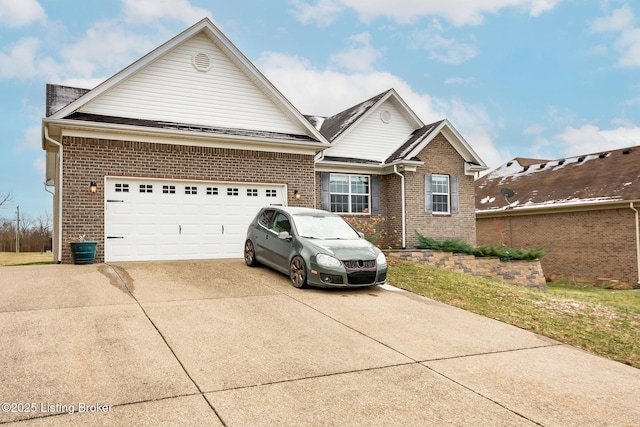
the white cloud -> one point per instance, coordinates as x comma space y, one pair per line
460, 81
322, 12
325, 92
619, 20
15, 14
150, 11
106, 45
19, 61
591, 139
408, 11
30, 139
447, 50
359, 55
627, 44
40, 165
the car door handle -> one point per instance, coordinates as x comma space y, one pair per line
179, 229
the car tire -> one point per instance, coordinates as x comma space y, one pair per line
298, 272
250, 254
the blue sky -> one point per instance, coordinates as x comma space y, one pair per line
518, 78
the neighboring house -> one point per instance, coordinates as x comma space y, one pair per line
583, 209
171, 158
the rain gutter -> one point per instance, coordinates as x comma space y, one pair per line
59, 224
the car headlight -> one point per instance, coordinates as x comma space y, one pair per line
327, 261
381, 260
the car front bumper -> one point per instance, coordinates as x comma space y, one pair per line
345, 278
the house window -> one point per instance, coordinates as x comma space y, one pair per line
252, 192
232, 191
190, 190
212, 191
440, 194
349, 193
272, 193
168, 189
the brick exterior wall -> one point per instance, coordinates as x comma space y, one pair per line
581, 246
87, 159
439, 157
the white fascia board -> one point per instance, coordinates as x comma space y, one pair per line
457, 142
379, 169
178, 137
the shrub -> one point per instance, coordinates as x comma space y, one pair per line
505, 253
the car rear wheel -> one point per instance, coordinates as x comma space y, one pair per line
250, 254
298, 272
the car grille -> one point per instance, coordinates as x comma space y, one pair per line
359, 264
361, 277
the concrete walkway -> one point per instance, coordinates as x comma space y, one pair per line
215, 343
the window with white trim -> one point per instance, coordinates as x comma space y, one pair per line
440, 199
349, 193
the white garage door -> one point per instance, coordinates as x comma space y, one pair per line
149, 219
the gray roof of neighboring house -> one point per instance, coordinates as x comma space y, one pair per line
608, 176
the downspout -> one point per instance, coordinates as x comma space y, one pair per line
59, 225
637, 240
404, 218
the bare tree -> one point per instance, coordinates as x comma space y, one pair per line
5, 199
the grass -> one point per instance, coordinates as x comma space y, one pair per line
25, 258
600, 321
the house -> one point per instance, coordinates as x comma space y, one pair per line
171, 158
583, 209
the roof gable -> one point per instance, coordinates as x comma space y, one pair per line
575, 181
199, 77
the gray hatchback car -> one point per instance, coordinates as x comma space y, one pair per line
314, 247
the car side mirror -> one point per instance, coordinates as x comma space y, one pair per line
284, 235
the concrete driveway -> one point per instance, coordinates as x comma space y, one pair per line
217, 343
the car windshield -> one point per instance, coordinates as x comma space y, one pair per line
324, 227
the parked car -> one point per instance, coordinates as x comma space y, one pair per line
314, 247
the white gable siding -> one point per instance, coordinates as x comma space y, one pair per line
373, 139
171, 89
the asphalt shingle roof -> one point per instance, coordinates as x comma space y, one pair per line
607, 176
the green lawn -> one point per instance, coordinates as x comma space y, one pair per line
25, 258
601, 321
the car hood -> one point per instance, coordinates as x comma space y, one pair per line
345, 249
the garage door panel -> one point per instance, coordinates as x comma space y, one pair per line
181, 220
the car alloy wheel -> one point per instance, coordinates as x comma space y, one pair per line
298, 272
249, 254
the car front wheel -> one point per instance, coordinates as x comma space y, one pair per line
298, 272
249, 254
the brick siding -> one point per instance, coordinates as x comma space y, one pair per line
87, 159
580, 246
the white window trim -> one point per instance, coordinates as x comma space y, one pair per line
349, 176
448, 194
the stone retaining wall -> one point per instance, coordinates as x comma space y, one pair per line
521, 273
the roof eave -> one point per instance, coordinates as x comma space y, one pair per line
124, 132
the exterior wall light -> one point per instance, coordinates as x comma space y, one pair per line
93, 187
296, 194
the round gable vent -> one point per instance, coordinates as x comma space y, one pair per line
201, 62
385, 116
